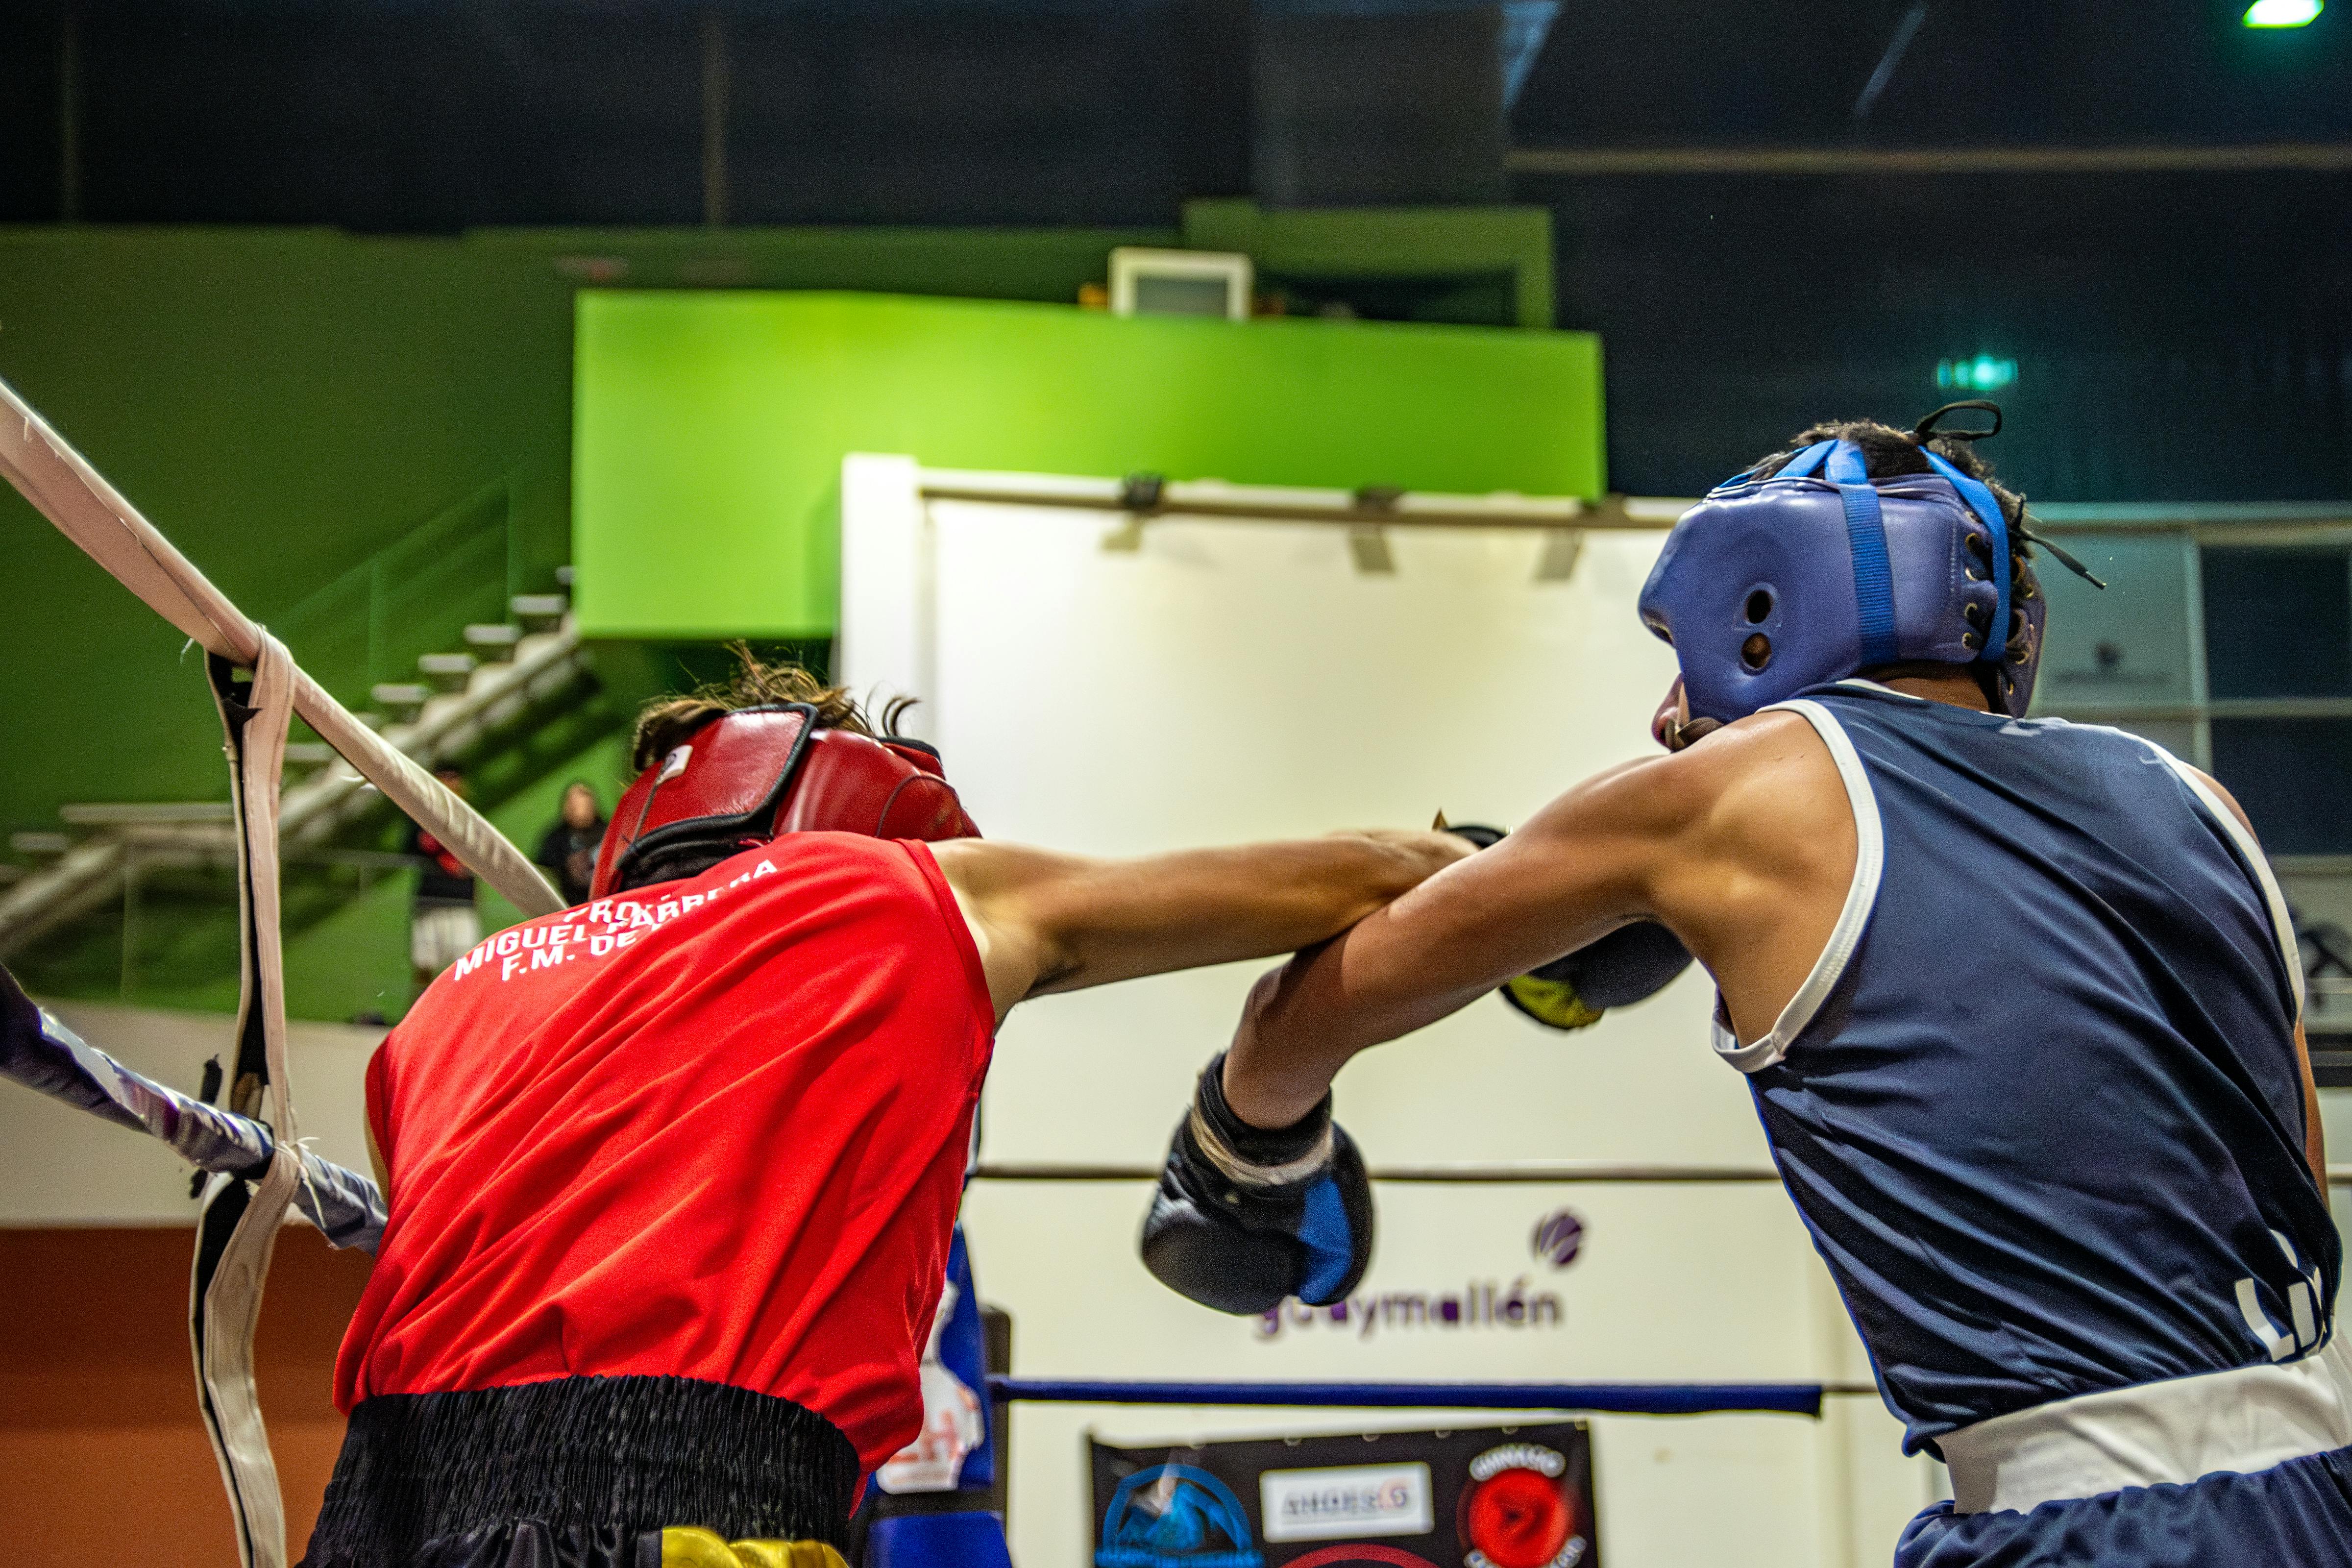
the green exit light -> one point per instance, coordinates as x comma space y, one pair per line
2282, 13
1982, 373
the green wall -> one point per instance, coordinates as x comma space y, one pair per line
285, 403
710, 427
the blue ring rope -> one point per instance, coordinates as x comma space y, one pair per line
1611, 1398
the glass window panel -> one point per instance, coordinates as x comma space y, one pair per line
2278, 622
1162, 296
2126, 647
2294, 776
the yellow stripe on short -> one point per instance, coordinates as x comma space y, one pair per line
694, 1547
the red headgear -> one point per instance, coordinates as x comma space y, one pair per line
748, 776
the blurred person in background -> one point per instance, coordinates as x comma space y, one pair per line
443, 925
567, 851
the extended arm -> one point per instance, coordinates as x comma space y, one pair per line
1046, 921
1741, 846
1733, 844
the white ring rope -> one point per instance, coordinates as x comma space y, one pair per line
66, 489
239, 1226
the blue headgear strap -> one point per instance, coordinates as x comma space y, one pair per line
1866, 533
1982, 501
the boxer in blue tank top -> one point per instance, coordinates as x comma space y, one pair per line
2019, 1001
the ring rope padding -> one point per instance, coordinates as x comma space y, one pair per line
1606, 1398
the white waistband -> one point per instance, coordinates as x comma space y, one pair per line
2244, 1420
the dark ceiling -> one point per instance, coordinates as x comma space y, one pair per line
2176, 334
2086, 72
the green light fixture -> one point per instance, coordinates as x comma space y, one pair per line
2282, 13
1981, 373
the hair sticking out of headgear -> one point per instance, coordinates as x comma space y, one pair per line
665, 721
1861, 546
772, 751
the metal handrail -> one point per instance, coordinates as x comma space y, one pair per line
309, 812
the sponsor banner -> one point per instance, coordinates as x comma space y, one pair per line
1477, 1304
1357, 1499
1505, 1497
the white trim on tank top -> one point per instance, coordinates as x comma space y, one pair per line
2282, 922
1861, 897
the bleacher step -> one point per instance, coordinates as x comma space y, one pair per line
144, 812
492, 642
539, 612
447, 671
399, 697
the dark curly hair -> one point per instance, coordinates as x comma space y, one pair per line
1886, 452
667, 722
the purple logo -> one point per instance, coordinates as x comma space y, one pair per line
1559, 1238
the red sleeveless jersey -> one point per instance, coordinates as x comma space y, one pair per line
712, 1129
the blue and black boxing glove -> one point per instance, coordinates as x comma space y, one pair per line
1246, 1217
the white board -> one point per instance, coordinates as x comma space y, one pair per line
1216, 680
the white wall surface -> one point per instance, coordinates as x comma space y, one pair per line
1228, 681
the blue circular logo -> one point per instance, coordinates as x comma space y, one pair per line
1175, 1515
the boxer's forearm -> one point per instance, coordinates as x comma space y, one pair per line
1117, 919
1430, 953
1303, 1022
1572, 874
1061, 922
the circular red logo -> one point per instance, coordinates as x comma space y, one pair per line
1518, 1518
1357, 1552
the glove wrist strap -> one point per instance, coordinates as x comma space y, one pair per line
1257, 1156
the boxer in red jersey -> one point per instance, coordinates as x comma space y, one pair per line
672, 1173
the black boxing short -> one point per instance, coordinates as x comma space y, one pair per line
588, 1472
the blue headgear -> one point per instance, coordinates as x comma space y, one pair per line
1771, 585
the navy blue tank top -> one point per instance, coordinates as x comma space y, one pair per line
2039, 1101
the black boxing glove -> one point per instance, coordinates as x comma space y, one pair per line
1245, 1216
1630, 963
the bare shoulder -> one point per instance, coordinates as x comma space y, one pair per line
1764, 871
1767, 776
1762, 767
1764, 847
1767, 785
